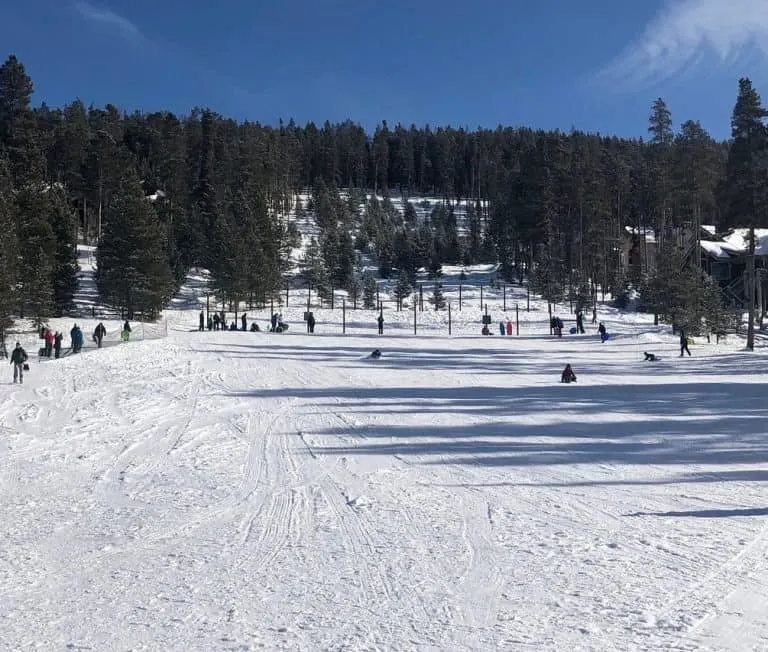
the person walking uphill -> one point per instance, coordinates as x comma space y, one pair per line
99, 333
683, 343
18, 358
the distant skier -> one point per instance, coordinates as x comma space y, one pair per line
683, 343
18, 360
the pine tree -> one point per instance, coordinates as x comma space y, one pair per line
435, 267
133, 272
369, 292
65, 267
17, 125
745, 189
354, 289
437, 299
36, 259
403, 289
9, 248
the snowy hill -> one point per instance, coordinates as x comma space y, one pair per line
237, 491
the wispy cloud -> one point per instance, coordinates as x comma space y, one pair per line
689, 33
110, 19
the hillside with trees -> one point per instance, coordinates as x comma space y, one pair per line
160, 193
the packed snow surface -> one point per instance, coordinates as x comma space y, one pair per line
238, 491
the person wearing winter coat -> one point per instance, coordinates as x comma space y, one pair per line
77, 339
57, 338
216, 321
603, 333
502, 328
202, 321
684, 343
568, 376
48, 342
580, 322
18, 358
99, 333
311, 322
380, 321
509, 327
244, 322
126, 333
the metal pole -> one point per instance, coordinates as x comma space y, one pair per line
504, 291
343, 315
332, 293
421, 297
549, 308
459, 297
286, 296
414, 318
449, 318
528, 298
481, 295
517, 319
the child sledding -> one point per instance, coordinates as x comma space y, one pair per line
650, 357
568, 376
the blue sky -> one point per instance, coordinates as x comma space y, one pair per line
595, 65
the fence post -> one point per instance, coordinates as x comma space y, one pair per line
421, 297
271, 307
549, 308
414, 318
343, 315
517, 319
309, 294
449, 318
459, 297
378, 302
481, 295
504, 294
332, 293
286, 296
528, 298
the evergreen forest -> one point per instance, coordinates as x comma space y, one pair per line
159, 193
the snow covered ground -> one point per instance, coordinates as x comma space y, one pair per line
237, 491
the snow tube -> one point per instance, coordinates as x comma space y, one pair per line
603, 337
572, 330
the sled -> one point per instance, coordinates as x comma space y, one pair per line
281, 328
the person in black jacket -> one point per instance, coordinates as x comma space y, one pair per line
683, 343
18, 358
311, 322
380, 321
99, 333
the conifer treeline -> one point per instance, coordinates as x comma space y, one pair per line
547, 199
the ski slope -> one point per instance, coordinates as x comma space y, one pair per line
239, 491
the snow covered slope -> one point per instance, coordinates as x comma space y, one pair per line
236, 491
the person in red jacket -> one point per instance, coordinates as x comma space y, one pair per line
48, 342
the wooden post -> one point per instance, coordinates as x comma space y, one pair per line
459, 297
449, 318
421, 297
481, 295
504, 294
517, 319
343, 315
549, 308
378, 302
528, 298
414, 318
286, 296
309, 294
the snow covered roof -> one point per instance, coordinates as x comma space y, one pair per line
714, 249
650, 234
737, 240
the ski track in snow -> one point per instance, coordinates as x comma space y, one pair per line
255, 491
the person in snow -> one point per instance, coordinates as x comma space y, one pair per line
683, 343
126, 332
311, 322
650, 357
580, 322
502, 328
216, 321
57, 339
568, 376
273, 322
509, 327
48, 342
76, 337
601, 330
244, 322
202, 321
18, 358
380, 322
99, 333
